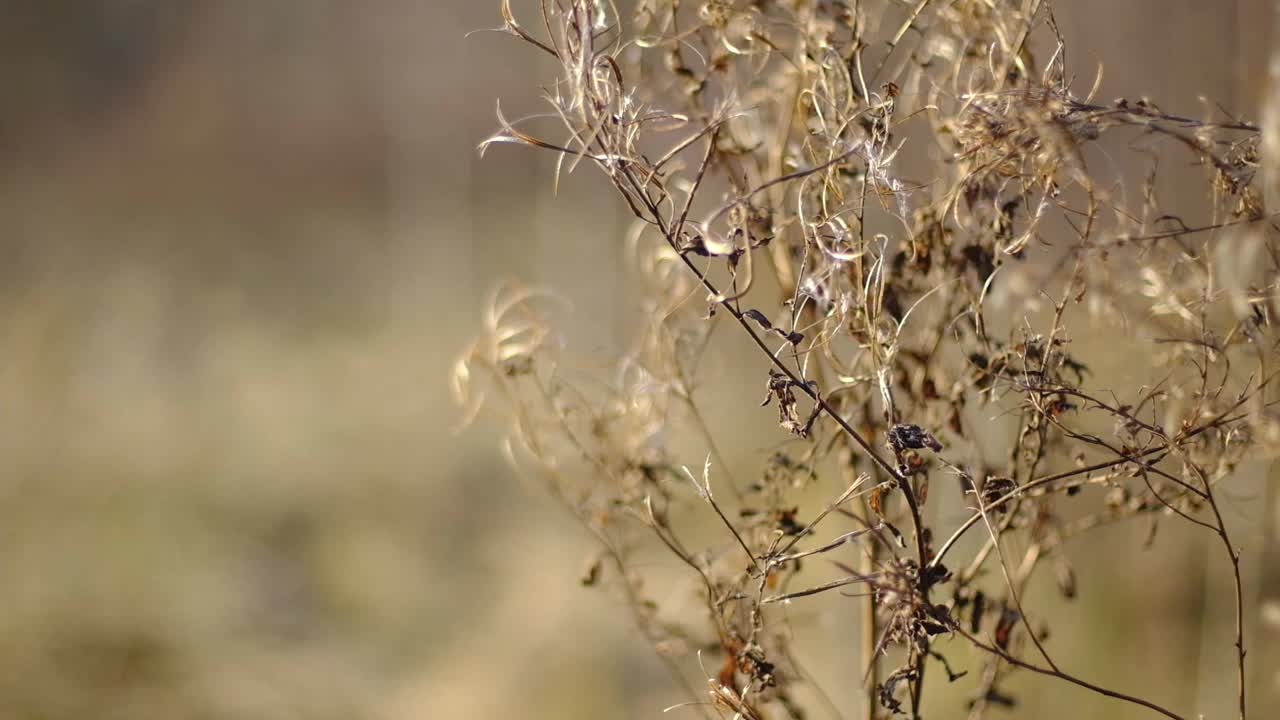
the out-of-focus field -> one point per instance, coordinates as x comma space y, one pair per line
242, 244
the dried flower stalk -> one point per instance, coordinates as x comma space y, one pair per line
774, 156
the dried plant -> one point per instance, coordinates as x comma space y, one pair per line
907, 208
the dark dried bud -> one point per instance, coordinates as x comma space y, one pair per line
979, 607
994, 489
912, 437
934, 574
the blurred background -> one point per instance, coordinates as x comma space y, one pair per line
241, 244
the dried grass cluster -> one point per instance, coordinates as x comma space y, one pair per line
850, 184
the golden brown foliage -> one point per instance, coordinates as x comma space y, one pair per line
852, 186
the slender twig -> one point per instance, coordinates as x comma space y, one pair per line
1007, 657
